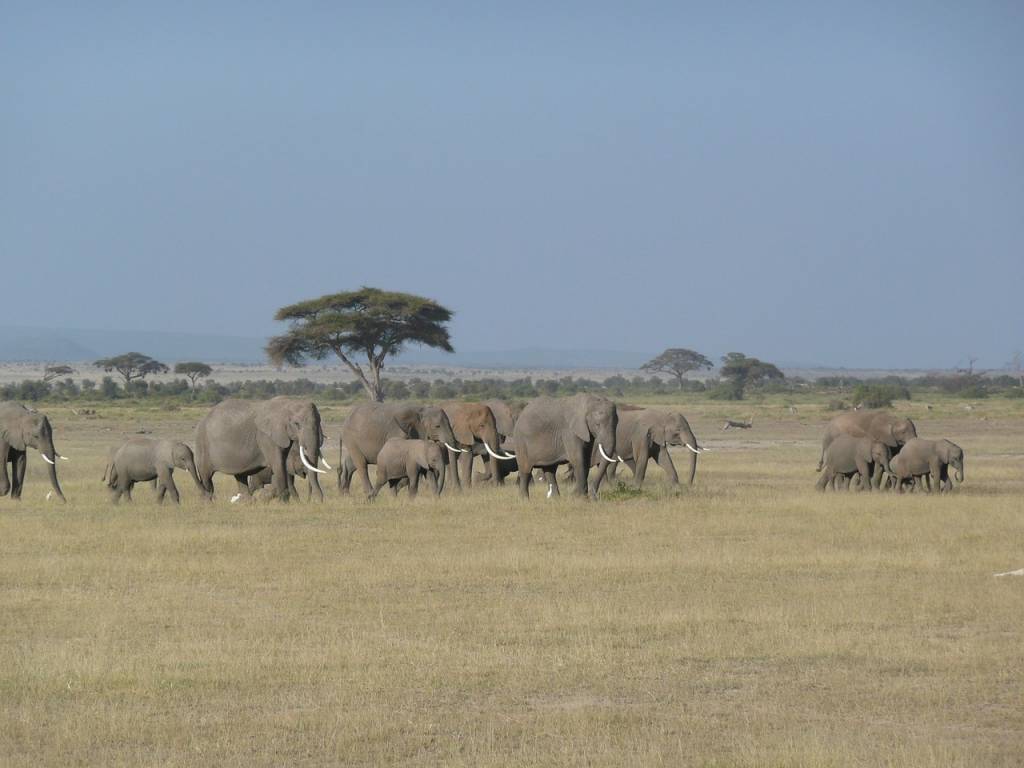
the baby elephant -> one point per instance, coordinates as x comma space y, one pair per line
847, 456
141, 459
926, 462
402, 459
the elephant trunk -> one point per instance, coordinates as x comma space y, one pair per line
490, 437
441, 475
693, 462
960, 471
605, 440
50, 453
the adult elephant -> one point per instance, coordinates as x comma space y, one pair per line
241, 438
475, 428
370, 425
644, 434
882, 426
565, 430
22, 428
294, 464
505, 416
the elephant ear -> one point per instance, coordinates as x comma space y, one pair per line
14, 436
461, 429
274, 426
659, 433
578, 420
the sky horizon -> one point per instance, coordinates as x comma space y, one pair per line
797, 183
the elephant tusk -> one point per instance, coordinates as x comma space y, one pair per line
46, 458
619, 459
496, 455
453, 449
62, 458
306, 464
604, 455
322, 459
692, 448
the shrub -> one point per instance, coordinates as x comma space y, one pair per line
879, 395
837, 405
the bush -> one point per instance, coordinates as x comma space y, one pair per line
879, 395
725, 391
837, 405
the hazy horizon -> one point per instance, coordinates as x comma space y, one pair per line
798, 183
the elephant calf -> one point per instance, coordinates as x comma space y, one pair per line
846, 456
142, 459
926, 462
404, 459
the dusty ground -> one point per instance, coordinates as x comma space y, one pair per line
746, 621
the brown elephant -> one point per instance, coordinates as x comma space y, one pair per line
882, 426
475, 428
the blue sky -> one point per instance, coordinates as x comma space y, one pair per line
795, 181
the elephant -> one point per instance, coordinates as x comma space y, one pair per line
474, 426
242, 438
847, 455
643, 434
565, 430
505, 415
22, 428
402, 459
294, 466
370, 425
141, 459
927, 462
885, 427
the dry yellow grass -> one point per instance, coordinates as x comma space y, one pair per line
749, 621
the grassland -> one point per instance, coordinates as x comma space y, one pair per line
748, 621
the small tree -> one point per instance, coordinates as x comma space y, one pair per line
741, 371
368, 322
131, 366
677, 362
52, 372
1016, 365
193, 372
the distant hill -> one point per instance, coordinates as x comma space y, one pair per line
74, 345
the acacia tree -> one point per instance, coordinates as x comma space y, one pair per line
677, 362
371, 323
741, 371
52, 372
131, 366
193, 372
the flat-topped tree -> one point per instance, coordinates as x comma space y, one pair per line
131, 366
741, 371
368, 323
52, 372
678, 362
193, 372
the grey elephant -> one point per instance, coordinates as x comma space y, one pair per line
475, 428
294, 464
505, 416
370, 425
885, 427
566, 430
142, 459
242, 438
927, 462
402, 459
644, 434
847, 456
22, 428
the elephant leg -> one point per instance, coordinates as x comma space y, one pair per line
5, 458
525, 476
18, 467
412, 471
161, 491
581, 466
465, 464
599, 475
664, 459
823, 480
641, 454
453, 462
381, 482
612, 469
362, 469
244, 491
863, 476
172, 489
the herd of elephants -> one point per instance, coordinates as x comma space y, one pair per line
265, 445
